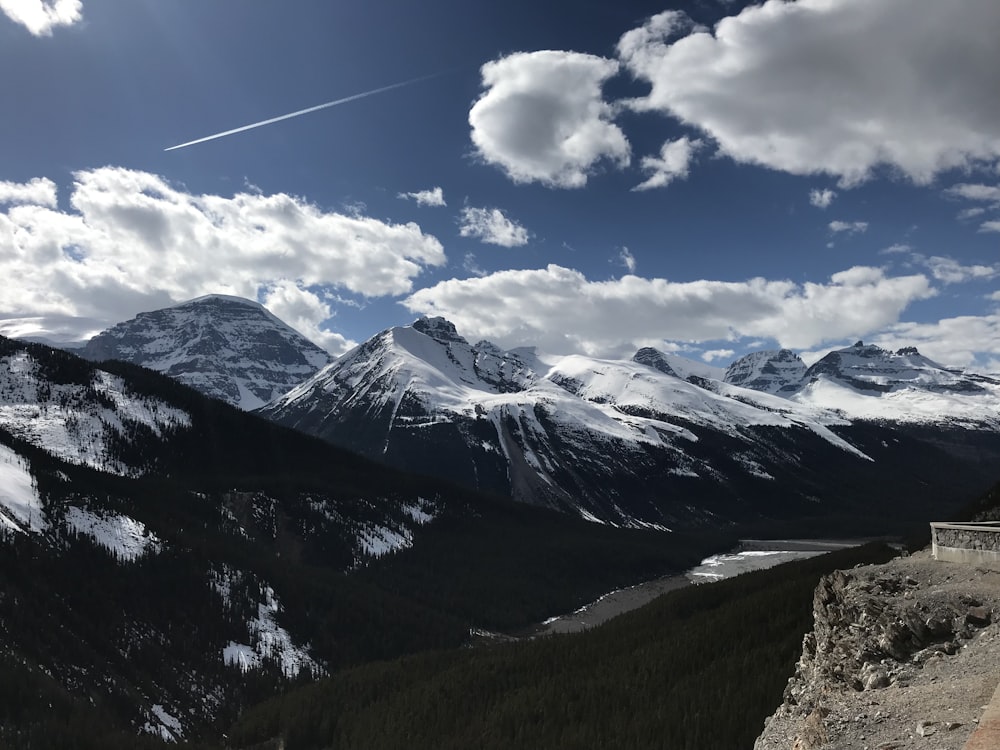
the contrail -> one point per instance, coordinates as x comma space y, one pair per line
300, 112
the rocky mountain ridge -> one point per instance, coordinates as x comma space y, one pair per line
899, 652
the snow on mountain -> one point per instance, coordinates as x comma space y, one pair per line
267, 639
867, 382
20, 505
123, 537
226, 347
77, 421
561, 430
768, 371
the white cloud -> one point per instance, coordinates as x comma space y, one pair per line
838, 87
950, 271
975, 192
542, 117
471, 264
713, 354
898, 249
988, 194
134, 242
562, 311
673, 163
432, 197
40, 191
851, 227
966, 341
303, 310
627, 259
41, 16
971, 213
822, 198
492, 226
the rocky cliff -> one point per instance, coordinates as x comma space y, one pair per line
899, 653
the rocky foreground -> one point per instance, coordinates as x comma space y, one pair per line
902, 655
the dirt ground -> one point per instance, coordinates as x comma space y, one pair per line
933, 703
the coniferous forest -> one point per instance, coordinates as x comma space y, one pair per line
698, 668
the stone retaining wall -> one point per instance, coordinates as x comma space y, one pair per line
966, 542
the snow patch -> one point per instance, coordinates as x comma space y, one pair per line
166, 726
420, 511
67, 421
20, 504
270, 641
124, 537
377, 540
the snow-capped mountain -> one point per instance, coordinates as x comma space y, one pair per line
779, 372
226, 347
652, 440
867, 382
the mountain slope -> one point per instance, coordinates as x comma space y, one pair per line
648, 441
175, 558
226, 347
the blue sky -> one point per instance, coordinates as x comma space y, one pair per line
706, 177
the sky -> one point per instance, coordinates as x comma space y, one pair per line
709, 178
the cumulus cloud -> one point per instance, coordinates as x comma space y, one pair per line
822, 198
562, 311
851, 227
40, 191
41, 16
673, 163
303, 310
542, 117
990, 226
432, 197
133, 242
838, 87
492, 226
965, 341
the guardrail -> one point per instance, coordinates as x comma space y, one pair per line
972, 542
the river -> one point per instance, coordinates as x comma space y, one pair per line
750, 554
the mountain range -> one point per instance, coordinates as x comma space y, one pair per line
656, 440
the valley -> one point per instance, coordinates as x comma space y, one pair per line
209, 564
746, 557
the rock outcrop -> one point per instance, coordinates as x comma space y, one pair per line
898, 652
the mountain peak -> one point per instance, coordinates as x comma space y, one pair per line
219, 300
439, 329
227, 347
654, 358
777, 371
